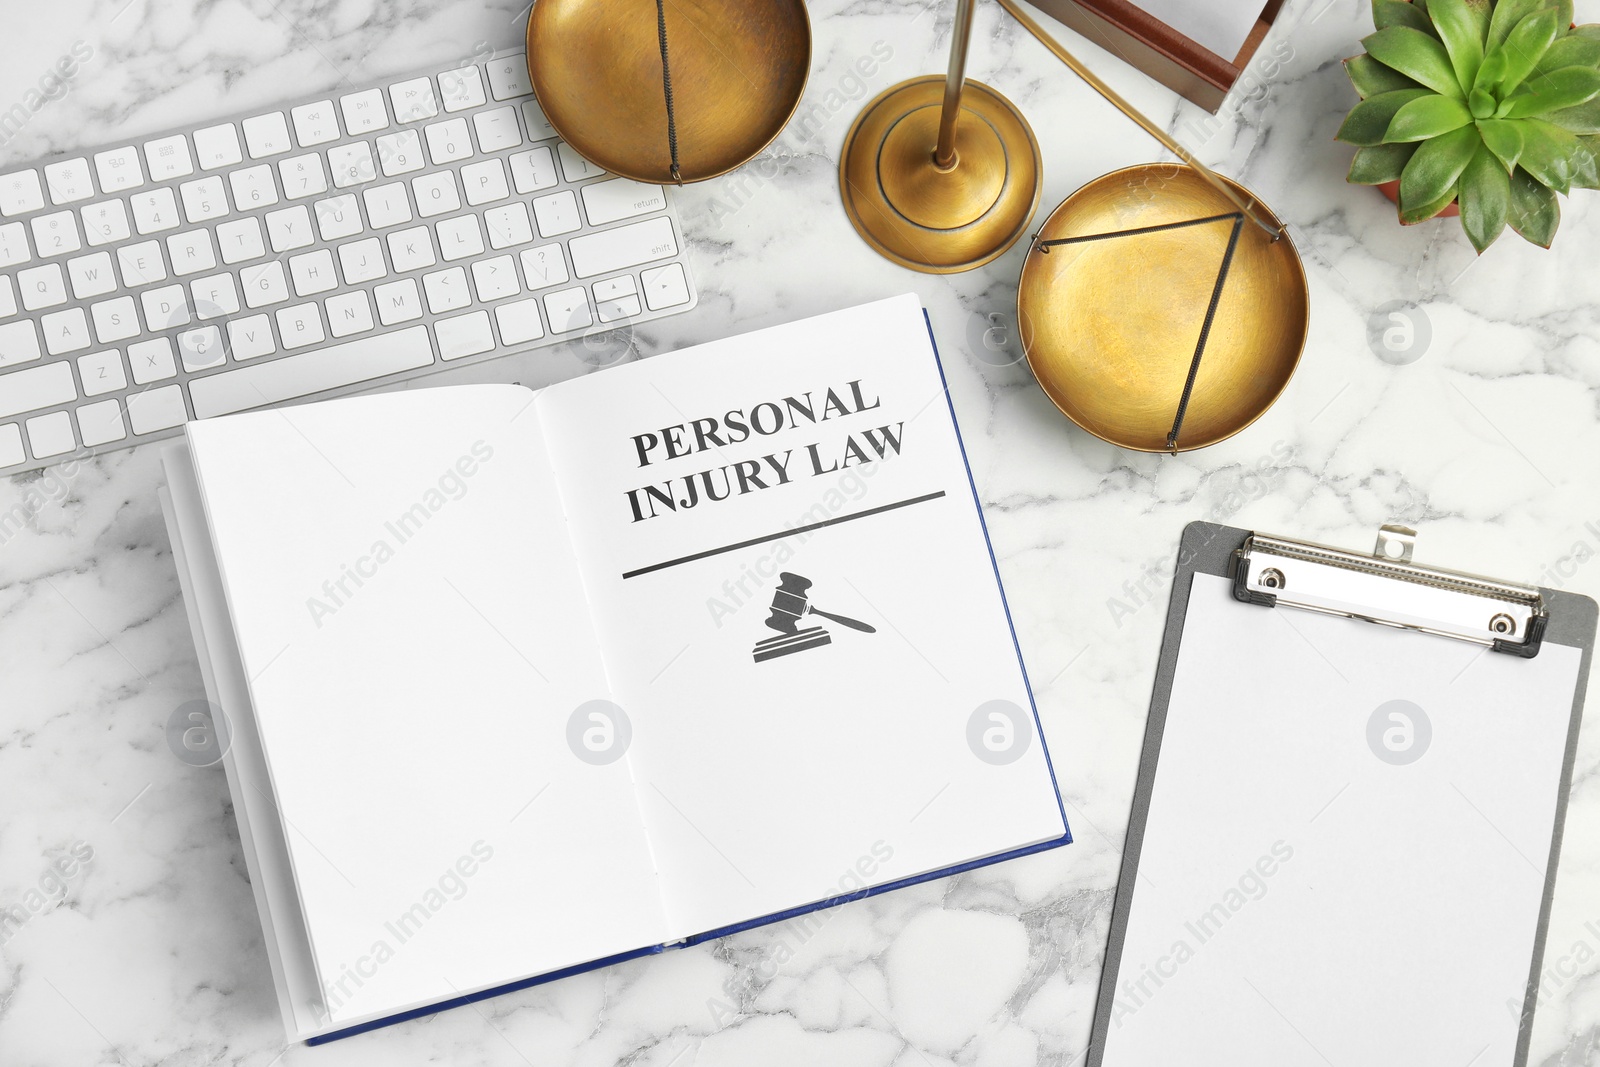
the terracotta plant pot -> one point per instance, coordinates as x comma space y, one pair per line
1392, 191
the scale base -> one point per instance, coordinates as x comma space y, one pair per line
932, 220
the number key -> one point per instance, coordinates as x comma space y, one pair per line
56, 234
253, 187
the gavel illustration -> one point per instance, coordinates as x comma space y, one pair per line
791, 601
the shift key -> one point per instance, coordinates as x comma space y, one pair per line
620, 198
38, 387
625, 246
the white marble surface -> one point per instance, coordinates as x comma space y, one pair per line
1488, 442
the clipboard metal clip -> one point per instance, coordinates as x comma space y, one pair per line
1389, 589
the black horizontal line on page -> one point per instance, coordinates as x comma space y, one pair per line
783, 533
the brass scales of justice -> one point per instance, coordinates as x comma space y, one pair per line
1161, 307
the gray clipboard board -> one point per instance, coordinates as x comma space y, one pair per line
1208, 548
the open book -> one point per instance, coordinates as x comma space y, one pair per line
518, 683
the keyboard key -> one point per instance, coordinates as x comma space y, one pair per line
616, 298
533, 170
203, 199
167, 158
362, 261
101, 424
8, 298
190, 252
556, 213
218, 146
497, 129
56, 234
289, 228
544, 266
115, 320
152, 360
105, 223
201, 348
625, 246
436, 193
300, 325
448, 141
13, 244
65, 331
338, 217
118, 169
240, 240
411, 249
413, 100
314, 124
508, 76
539, 127
568, 309
484, 181
42, 287
312, 273
364, 112
69, 181
166, 307
349, 313
253, 188
397, 302
462, 88
303, 176
267, 135
19, 343
446, 290
11, 451
619, 198
519, 322
574, 166
155, 211
346, 363
214, 297
20, 193
495, 279
50, 435
37, 387
508, 226
101, 372
264, 284
464, 336
400, 152
157, 409
250, 337
91, 275
141, 264
459, 237
352, 164
625, 307
387, 205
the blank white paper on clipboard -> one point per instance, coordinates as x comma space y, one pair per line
1345, 851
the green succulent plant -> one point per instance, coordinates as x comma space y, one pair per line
1494, 104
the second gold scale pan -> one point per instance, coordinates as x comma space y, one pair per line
733, 71
1117, 290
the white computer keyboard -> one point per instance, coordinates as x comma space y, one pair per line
339, 243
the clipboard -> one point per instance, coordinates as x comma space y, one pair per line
1344, 837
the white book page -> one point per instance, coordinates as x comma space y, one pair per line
1345, 853
415, 636
842, 758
